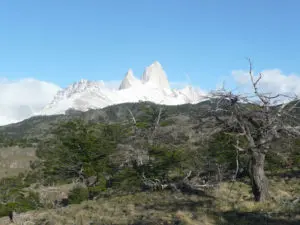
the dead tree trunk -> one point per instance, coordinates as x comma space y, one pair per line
260, 121
259, 181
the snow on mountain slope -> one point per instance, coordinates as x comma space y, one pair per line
153, 86
192, 95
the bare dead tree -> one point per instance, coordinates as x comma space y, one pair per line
259, 121
133, 120
156, 122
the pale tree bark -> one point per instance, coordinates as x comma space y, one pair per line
259, 181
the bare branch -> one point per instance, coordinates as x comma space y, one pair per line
157, 121
259, 120
158, 117
188, 175
254, 82
133, 118
237, 160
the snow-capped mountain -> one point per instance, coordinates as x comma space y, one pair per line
153, 86
156, 75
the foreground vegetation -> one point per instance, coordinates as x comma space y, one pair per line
228, 204
116, 170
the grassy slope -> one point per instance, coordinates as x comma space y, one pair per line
14, 160
230, 204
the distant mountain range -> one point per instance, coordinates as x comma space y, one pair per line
153, 86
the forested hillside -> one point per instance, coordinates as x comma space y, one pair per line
142, 163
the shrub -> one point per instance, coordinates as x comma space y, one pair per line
78, 194
77, 146
166, 123
95, 191
22, 203
28, 201
126, 179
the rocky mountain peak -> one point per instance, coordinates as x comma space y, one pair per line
129, 80
156, 75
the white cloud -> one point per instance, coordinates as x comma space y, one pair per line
273, 81
19, 99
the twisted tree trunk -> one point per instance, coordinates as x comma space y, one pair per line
257, 175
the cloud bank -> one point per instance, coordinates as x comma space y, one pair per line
273, 81
21, 98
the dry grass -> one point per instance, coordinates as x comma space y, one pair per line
156, 208
238, 196
48, 194
14, 160
229, 201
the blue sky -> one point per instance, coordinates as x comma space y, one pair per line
64, 40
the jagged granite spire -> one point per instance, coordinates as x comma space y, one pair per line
129, 80
156, 75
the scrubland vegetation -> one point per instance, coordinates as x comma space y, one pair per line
143, 163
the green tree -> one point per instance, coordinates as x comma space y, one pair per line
78, 149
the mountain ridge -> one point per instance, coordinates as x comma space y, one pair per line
153, 86
156, 75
